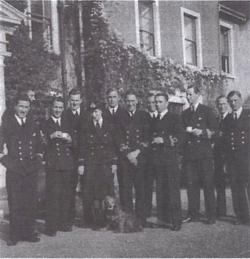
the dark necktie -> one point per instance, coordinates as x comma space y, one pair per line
131, 114
76, 113
159, 116
97, 125
153, 116
57, 123
23, 122
113, 111
235, 116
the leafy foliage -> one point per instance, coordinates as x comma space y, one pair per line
30, 66
111, 63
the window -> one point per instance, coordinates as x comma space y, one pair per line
191, 37
190, 40
146, 23
226, 47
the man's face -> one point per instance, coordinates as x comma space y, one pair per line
57, 109
222, 105
160, 103
96, 114
235, 102
31, 95
192, 97
22, 108
151, 104
113, 99
131, 102
75, 101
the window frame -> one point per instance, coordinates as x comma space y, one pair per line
197, 17
231, 48
156, 27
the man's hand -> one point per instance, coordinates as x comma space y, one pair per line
81, 170
158, 140
173, 141
114, 169
67, 137
56, 134
209, 133
1, 155
40, 155
132, 156
197, 132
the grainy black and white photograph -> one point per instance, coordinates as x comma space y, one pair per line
124, 129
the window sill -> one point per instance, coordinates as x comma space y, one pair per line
228, 75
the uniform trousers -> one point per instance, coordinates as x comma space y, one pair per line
200, 171
150, 177
133, 176
58, 193
22, 201
73, 182
239, 187
168, 197
220, 185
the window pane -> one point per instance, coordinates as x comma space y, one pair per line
146, 26
190, 51
190, 28
224, 42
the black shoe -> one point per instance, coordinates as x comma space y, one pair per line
11, 242
190, 220
210, 221
175, 228
240, 222
50, 233
66, 229
32, 239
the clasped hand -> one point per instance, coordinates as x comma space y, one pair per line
132, 157
158, 140
61, 135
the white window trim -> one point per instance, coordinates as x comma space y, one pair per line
231, 49
198, 36
157, 34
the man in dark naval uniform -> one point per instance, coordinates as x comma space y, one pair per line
59, 166
24, 144
113, 114
97, 164
201, 126
76, 117
149, 174
135, 133
219, 159
237, 136
165, 135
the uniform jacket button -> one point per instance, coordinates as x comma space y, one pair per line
21, 159
19, 142
20, 147
57, 144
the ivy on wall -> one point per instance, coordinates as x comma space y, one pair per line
111, 63
30, 65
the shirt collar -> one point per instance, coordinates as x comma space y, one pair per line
152, 114
163, 113
224, 115
78, 111
111, 109
239, 111
132, 113
56, 119
19, 120
100, 121
195, 106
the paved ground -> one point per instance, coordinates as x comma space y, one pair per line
224, 240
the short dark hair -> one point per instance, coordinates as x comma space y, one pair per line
220, 97
130, 92
232, 93
21, 97
150, 95
165, 95
112, 89
75, 91
57, 99
195, 87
